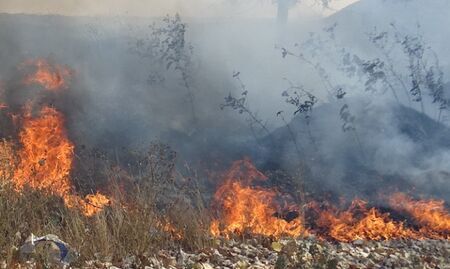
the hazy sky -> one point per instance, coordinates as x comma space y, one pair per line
191, 8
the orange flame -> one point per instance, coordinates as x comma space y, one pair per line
431, 215
46, 160
249, 209
94, 203
245, 208
359, 222
51, 77
46, 156
169, 228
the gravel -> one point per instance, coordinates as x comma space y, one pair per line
304, 253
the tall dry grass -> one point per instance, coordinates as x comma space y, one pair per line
153, 209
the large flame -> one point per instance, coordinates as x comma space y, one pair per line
51, 77
46, 159
246, 208
46, 153
46, 156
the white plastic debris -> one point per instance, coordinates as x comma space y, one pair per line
58, 251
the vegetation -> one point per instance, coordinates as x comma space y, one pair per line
139, 221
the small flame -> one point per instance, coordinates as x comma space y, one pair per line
249, 209
51, 77
359, 222
94, 203
169, 228
431, 215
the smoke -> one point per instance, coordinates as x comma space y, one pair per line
125, 93
159, 8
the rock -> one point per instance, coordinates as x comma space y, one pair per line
242, 265
281, 262
358, 242
277, 246
302, 253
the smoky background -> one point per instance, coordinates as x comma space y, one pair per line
124, 94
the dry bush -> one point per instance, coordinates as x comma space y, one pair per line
153, 209
7, 161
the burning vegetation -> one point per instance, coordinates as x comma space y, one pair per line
37, 170
45, 153
46, 159
51, 77
430, 215
111, 201
246, 208
40, 158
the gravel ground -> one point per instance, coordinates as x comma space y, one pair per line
305, 253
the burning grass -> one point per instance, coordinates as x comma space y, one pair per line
148, 208
430, 214
45, 159
150, 205
133, 224
135, 213
246, 208
52, 77
249, 208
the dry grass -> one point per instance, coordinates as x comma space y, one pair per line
158, 210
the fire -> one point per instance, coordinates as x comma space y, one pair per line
46, 159
51, 77
245, 208
46, 156
169, 228
94, 203
359, 222
430, 215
